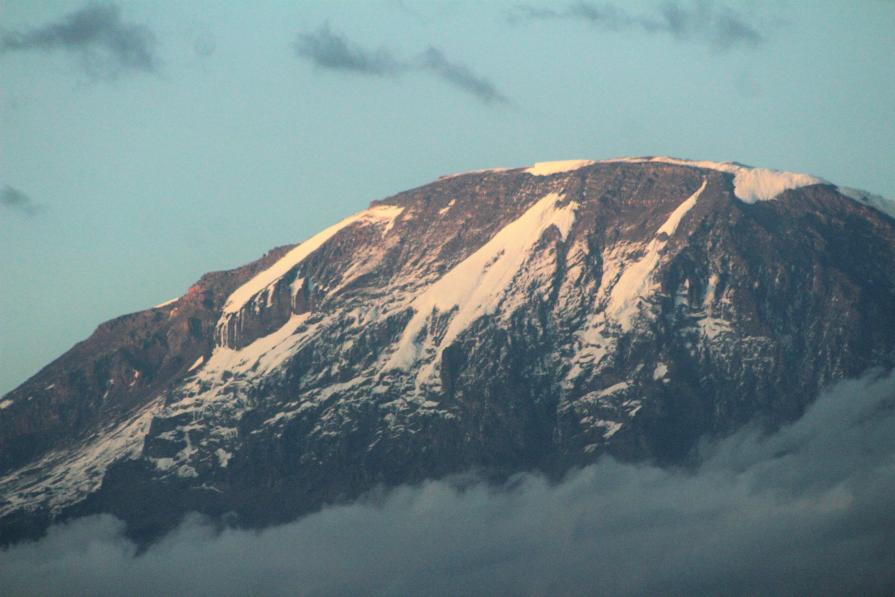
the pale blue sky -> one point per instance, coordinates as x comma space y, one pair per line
141, 178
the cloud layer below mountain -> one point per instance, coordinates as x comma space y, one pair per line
807, 510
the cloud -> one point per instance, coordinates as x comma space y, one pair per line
333, 51
329, 50
14, 199
107, 44
460, 76
719, 26
807, 510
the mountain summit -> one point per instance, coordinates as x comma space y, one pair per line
500, 320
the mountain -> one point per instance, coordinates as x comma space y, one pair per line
501, 320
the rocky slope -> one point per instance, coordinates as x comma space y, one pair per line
501, 320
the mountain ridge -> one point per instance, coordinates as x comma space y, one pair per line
507, 320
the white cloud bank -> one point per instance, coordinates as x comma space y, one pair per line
808, 510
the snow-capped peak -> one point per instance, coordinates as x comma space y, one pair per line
548, 168
749, 184
500, 319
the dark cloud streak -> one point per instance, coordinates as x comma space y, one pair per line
12, 198
460, 76
333, 51
329, 50
717, 25
807, 510
107, 44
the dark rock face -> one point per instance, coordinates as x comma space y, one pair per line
502, 321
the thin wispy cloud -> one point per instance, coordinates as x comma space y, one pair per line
329, 50
13, 199
460, 76
719, 26
106, 44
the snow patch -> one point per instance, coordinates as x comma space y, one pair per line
660, 371
379, 214
5, 404
633, 407
711, 290
671, 224
186, 471
593, 350
605, 392
475, 285
750, 184
166, 303
447, 208
295, 288
548, 168
265, 354
64, 477
162, 464
611, 428
223, 457
636, 280
196, 363
713, 327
